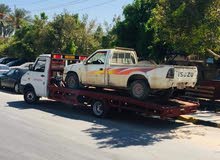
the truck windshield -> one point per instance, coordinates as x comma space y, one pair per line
98, 58
40, 65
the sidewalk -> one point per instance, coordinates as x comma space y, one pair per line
207, 118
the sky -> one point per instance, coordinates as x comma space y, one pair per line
100, 10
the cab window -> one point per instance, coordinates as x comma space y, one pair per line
98, 58
40, 65
123, 58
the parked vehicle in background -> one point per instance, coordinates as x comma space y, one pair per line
6, 60
17, 62
119, 69
24, 66
3, 68
12, 78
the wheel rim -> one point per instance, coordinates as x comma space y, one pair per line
71, 82
98, 108
30, 96
16, 88
138, 90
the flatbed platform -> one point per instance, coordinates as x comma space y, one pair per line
112, 100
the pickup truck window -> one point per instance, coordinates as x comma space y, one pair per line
40, 65
98, 58
123, 58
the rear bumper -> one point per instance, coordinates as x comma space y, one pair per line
166, 83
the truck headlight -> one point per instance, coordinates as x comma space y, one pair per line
170, 73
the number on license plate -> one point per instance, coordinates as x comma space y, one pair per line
185, 74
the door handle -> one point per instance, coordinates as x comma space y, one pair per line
101, 69
42, 75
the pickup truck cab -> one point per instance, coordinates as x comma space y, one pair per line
118, 68
37, 77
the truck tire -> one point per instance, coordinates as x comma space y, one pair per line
139, 89
30, 96
99, 109
72, 81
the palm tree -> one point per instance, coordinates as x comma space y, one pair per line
4, 19
10, 21
18, 16
4, 9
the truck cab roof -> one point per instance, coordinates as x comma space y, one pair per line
45, 55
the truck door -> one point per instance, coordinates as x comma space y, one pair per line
38, 76
118, 71
95, 72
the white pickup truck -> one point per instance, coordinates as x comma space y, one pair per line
119, 69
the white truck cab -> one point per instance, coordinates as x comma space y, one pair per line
37, 77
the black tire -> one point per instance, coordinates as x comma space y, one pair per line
139, 89
16, 88
99, 109
72, 81
30, 96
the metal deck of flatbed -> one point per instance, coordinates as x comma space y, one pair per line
84, 97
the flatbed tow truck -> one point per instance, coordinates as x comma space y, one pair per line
44, 79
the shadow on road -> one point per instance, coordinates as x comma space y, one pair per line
121, 130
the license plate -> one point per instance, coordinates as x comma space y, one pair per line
185, 74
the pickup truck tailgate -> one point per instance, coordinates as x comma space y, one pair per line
185, 74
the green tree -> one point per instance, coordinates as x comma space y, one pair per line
29, 39
4, 9
65, 32
68, 31
19, 16
132, 32
188, 26
5, 21
10, 21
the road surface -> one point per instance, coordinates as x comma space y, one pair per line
54, 131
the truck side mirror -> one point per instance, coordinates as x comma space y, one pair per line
30, 67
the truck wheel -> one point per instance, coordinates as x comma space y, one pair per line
72, 81
99, 109
30, 96
16, 88
139, 89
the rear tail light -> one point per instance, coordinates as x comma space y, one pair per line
57, 56
170, 73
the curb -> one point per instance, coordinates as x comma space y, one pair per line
198, 121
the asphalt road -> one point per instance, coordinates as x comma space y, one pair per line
54, 131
